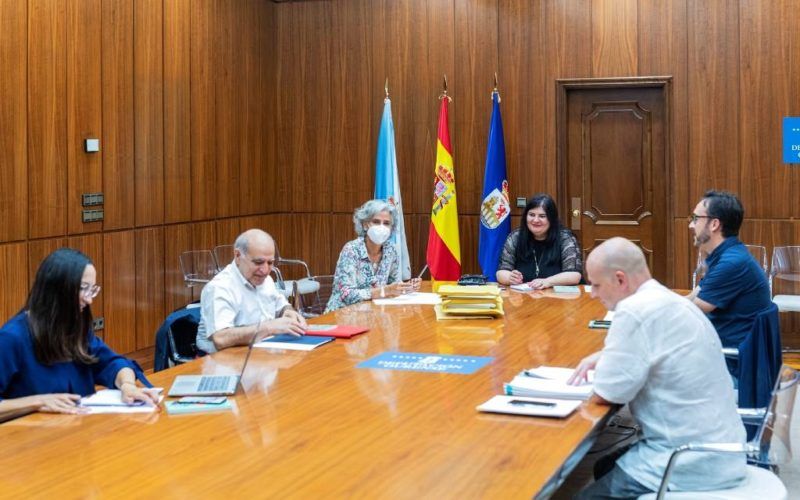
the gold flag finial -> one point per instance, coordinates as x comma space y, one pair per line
386, 87
495, 90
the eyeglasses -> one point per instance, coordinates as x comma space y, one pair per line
90, 291
694, 217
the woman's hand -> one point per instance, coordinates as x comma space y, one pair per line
515, 278
131, 392
58, 403
540, 284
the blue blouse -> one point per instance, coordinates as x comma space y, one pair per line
22, 375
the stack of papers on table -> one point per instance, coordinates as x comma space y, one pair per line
548, 382
292, 343
110, 401
469, 302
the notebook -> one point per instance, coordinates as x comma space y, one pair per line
338, 331
537, 407
293, 343
209, 385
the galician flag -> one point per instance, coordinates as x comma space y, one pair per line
387, 185
495, 207
444, 249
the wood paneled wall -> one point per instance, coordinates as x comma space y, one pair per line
215, 116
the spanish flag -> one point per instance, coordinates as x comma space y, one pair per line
444, 250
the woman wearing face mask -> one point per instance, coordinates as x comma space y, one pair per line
368, 266
49, 355
541, 252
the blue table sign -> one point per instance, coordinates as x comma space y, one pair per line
432, 363
791, 139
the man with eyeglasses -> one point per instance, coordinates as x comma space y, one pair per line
242, 300
734, 289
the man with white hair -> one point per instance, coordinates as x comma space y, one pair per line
242, 300
663, 358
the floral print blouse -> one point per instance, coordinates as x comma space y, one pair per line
355, 274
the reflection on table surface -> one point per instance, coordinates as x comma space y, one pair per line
311, 423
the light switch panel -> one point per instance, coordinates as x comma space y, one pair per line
92, 145
521, 202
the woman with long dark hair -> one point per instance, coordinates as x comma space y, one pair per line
49, 355
541, 252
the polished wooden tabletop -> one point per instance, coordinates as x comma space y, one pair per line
310, 424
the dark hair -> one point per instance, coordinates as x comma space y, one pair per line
525, 243
727, 208
59, 329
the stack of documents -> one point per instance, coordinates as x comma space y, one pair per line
548, 382
540, 392
110, 401
469, 302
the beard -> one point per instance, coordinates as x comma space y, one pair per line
702, 238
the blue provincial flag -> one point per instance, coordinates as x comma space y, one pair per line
387, 185
495, 208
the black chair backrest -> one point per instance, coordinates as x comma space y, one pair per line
182, 340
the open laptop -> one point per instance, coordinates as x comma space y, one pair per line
209, 385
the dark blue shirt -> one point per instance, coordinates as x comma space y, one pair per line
22, 375
737, 286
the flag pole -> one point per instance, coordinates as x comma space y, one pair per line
444, 95
386, 87
495, 90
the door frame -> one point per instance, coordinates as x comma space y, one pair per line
563, 86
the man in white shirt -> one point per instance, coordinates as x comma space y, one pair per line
242, 300
663, 358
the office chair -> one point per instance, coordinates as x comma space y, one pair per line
198, 267
319, 300
758, 252
771, 446
785, 267
182, 337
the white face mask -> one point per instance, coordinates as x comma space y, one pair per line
379, 234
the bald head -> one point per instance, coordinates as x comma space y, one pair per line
616, 269
253, 237
254, 255
619, 254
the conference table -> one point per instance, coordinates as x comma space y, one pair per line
313, 424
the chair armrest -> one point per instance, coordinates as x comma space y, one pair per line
296, 262
700, 447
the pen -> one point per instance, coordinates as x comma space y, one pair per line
520, 402
419, 276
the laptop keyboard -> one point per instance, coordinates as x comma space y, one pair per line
212, 383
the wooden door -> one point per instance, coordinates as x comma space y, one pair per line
613, 160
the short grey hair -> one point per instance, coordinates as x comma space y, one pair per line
365, 213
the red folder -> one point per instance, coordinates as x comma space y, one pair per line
339, 331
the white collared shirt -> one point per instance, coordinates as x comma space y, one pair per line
663, 357
229, 300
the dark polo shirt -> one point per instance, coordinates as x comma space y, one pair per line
737, 286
